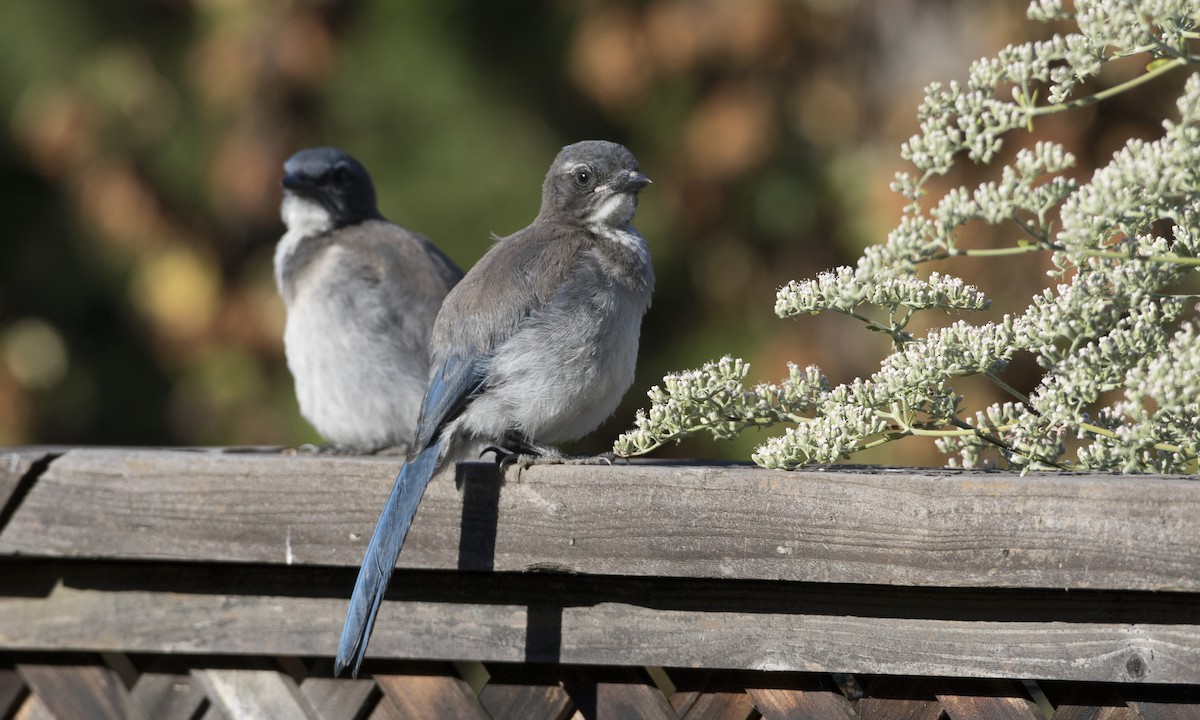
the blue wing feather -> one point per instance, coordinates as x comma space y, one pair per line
455, 383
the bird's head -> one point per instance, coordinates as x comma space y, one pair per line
326, 184
594, 182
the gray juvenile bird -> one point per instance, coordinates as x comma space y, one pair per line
537, 344
361, 296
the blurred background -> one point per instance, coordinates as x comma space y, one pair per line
142, 144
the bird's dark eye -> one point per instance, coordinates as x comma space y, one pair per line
339, 175
583, 177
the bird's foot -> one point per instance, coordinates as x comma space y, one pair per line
506, 457
561, 458
604, 458
530, 453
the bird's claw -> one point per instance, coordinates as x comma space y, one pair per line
496, 450
506, 458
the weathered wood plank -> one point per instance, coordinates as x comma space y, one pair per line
810, 697
668, 623
1157, 711
616, 692
385, 710
80, 692
334, 699
1079, 701
12, 468
429, 696
214, 713
524, 693
12, 689
893, 709
255, 695
167, 696
897, 698
1172, 705
706, 694
34, 709
988, 700
926, 528
16, 466
528, 702
714, 706
192, 505
1094, 712
960, 707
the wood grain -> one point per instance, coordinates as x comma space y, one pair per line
338, 698
427, 696
988, 700
34, 709
714, 706
80, 692
1164, 711
705, 694
255, 695
812, 704
896, 698
621, 692
696, 625
167, 696
18, 469
914, 573
12, 688
194, 505
524, 693
385, 710
914, 528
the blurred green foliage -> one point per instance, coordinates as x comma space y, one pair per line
143, 141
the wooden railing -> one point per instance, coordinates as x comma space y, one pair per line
213, 584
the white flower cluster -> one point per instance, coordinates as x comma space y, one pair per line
1118, 342
1145, 182
838, 291
714, 399
837, 433
1161, 405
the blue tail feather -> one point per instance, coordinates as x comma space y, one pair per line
381, 555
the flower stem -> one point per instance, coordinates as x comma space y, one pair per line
1109, 92
1165, 447
1173, 259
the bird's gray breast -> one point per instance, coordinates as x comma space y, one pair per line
356, 380
567, 367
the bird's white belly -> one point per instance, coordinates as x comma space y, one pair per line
348, 382
558, 379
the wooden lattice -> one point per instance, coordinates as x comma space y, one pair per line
208, 585
118, 687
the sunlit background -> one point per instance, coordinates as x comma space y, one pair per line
142, 143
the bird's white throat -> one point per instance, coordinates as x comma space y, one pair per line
615, 211
303, 216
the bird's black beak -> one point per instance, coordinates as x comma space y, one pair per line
295, 183
634, 182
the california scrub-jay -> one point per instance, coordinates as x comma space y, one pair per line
537, 344
361, 296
